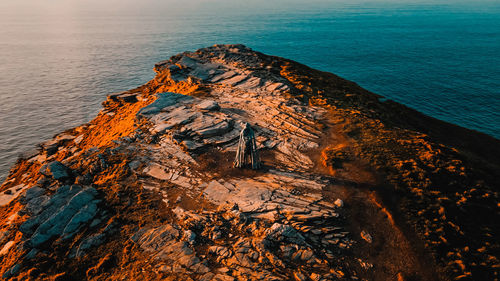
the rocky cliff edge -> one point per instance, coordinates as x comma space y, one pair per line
352, 187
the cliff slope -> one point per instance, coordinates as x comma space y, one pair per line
352, 187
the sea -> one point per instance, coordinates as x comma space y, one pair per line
59, 59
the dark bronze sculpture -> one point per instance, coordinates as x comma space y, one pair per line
247, 154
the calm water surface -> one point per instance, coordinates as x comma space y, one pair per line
441, 59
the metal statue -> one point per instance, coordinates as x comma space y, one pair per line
247, 154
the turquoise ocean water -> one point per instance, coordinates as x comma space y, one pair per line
442, 59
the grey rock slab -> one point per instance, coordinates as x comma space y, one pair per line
217, 192
249, 195
235, 80
207, 120
180, 117
209, 105
250, 83
158, 172
134, 164
49, 206
191, 145
152, 239
231, 136
293, 157
56, 170
88, 243
216, 129
83, 216
33, 192
275, 86
162, 101
280, 232
188, 62
224, 76
67, 206
199, 69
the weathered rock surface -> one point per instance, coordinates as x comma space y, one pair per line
146, 191
56, 170
60, 215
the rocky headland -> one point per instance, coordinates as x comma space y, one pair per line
352, 186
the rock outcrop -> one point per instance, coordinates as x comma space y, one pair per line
350, 188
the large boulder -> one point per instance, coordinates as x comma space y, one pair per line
56, 170
60, 215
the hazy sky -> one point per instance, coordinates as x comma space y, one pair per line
138, 7
143, 6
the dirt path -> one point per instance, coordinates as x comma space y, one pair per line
394, 253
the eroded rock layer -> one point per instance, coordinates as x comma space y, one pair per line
351, 188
